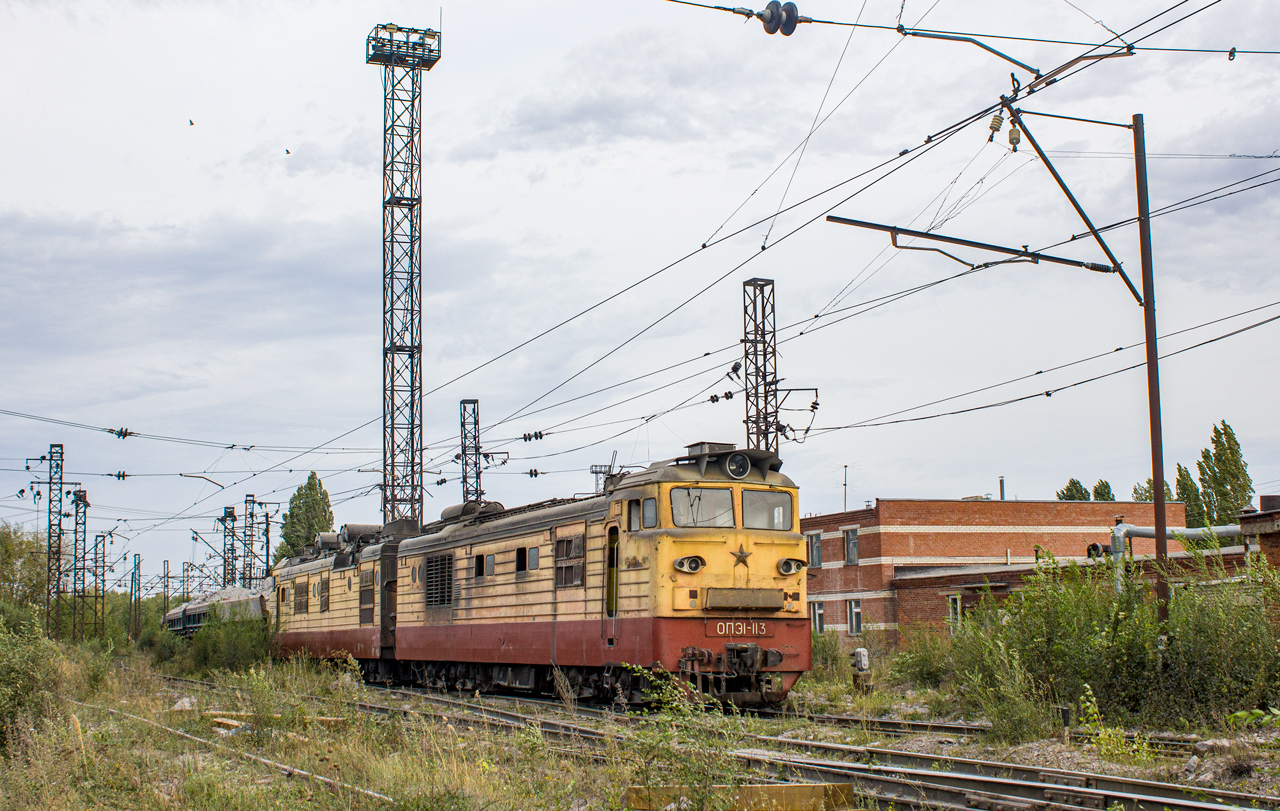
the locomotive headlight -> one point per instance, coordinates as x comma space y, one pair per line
736, 465
790, 566
690, 564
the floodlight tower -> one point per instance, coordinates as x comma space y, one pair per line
403, 54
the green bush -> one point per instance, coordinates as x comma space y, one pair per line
923, 658
14, 617
230, 645
1072, 626
828, 661
29, 679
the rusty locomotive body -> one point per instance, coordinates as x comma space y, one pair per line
694, 566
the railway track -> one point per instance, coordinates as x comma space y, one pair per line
880, 775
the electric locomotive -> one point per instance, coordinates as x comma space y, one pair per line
693, 566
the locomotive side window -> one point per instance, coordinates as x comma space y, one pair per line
478, 566
701, 507
437, 580
488, 565
533, 558
651, 513
300, 594
633, 515
766, 509
522, 559
570, 555
366, 597
324, 594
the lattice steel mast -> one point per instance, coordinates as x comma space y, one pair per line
760, 364
403, 53
80, 565
469, 411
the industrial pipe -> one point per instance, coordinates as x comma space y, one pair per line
1122, 531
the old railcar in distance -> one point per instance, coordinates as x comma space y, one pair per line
693, 566
231, 603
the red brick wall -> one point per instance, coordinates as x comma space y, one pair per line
884, 554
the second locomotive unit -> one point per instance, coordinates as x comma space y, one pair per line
693, 566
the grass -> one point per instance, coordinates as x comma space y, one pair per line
69, 757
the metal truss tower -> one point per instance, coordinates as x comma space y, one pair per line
135, 598
470, 455
760, 364
403, 54
54, 585
98, 596
249, 566
229, 568
80, 567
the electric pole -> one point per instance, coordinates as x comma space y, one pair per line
470, 454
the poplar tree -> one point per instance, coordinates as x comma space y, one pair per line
1102, 491
309, 512
1146, 492
1074, 491
1189, 494
1225, 485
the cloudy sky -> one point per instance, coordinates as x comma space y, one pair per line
166, 267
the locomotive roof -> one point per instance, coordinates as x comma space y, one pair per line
546, 514
701, 465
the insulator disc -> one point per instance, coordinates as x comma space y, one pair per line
772, 17
790, 17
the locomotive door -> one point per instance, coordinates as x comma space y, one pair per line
609, 617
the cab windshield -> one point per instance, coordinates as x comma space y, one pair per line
701, 507
766, 509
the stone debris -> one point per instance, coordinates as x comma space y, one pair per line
184, 704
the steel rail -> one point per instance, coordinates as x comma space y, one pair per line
989, 792
1031, 774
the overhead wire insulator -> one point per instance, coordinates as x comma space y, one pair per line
1015, 137
533, 474
997, 121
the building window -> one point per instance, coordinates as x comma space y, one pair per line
854, 608
851, 547
815, 550
816, 618
955, 610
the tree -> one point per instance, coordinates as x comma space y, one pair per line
1102, 491
1074, 491
1189, 495
308, 513
1225, 485
22, 565
1146, 492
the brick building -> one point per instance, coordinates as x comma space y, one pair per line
860, 561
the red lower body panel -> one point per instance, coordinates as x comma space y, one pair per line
362, 643
641, 641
